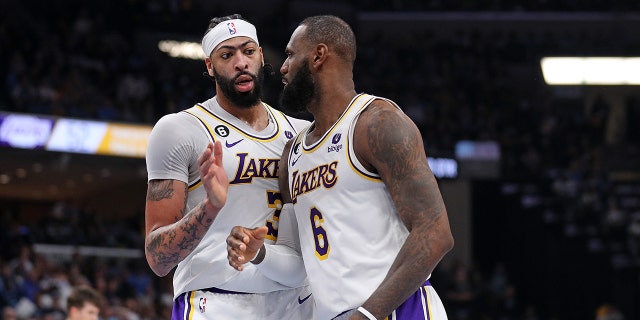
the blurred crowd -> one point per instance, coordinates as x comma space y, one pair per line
34, 284
72, 60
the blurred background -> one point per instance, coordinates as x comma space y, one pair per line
541, 182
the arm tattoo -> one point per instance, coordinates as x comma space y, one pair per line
159, 190
396, 148
184, 206
169, 245
162, 257
201, 218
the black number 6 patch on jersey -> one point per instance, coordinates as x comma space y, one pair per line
221, 130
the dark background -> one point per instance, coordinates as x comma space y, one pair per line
553, 225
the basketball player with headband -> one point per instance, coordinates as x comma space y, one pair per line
214, 166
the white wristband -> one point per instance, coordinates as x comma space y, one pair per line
366, 313
254, 257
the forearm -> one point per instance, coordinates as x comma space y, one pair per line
282, 262
284, 265
415, 262
166, 246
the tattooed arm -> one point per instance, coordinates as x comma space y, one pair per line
172, 234
388, 142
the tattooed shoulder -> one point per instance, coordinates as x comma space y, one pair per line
392, 138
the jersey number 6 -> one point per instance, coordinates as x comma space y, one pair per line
319, 234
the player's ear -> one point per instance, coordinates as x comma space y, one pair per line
261, 55
319, 55
209, 64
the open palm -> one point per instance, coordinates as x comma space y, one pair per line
214, 178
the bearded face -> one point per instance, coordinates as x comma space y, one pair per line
298, 93
240, 99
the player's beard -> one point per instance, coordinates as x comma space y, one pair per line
241, 99
297, 94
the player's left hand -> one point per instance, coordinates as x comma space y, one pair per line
212, 174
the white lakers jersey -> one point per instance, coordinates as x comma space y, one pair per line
251, 161
350, 232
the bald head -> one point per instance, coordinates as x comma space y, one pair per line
334, 32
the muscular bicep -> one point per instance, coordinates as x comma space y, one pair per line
165, 204
387, 141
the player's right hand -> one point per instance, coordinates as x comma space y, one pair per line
243, 244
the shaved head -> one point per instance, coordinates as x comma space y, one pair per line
334, 32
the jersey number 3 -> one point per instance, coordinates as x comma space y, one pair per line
274, 201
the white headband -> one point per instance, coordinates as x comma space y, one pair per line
227, 30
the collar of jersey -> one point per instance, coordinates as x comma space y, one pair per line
311, 148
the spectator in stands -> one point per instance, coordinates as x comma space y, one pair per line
84, 303
9, 313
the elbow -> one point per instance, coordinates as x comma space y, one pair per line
160, 272
158, 269
445, 243
445, 236
449, 243
156, 258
